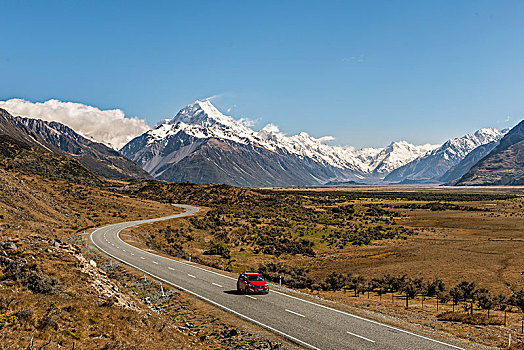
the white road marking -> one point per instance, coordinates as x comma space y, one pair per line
285, 335
294, 313
303, 300
191, 276
171, 268
142, 258
361, 337
216, 284
188, 213
370, 321
249, 296
123, 250
132, 254
154, 262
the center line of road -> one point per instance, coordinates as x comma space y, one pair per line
171, 268
249, 296
361, 337
123, 250
294, 313
154, 262
216, 284
132, 254
191, 276
142, 258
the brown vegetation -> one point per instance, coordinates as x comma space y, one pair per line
449, 237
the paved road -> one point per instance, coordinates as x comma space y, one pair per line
302, 321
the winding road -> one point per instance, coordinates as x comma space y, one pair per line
302, 321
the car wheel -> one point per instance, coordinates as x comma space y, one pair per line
238, 288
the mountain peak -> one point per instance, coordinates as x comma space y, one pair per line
202, 121
202, 113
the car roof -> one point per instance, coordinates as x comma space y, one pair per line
251, 273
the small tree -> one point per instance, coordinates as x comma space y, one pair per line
379, 286
502, 303
357, 283
485, 299
436, 288
335, 281
456, 295
411, 288
468, 290
517, 299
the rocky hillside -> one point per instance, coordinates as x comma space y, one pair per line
503, 166
61, 139
56, 292
437, 162
467, 163
23, 158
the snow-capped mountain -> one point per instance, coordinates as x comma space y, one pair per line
503, 166
440, 160
200, 134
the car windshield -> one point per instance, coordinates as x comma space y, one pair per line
255, 278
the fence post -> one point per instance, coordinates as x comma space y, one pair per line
189, 257
162, 289
280, 281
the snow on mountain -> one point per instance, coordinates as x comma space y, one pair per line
396, 155
441, 159
202, 120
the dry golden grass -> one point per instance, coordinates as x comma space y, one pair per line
455, 245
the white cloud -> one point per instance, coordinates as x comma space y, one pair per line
111, 127
326, 139
508, 118
214, 97
249, 122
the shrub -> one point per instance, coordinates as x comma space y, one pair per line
469, 319
217, 247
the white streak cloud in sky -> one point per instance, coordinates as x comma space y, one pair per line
111, 127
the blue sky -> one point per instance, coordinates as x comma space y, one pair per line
366, 72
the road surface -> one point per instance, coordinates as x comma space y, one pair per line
311, 325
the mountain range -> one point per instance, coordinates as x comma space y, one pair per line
503, 166
60, 139
200, 144
203, 145
436, 163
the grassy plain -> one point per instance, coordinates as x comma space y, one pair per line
474, 235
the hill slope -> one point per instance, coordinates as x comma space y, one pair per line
24, 158
61, 139
504, 165
467, 163
440, 160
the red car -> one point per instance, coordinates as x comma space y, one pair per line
252, 282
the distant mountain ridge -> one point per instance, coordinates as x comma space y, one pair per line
203, 145
467, 163
63, 140
430, 167
503, 166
